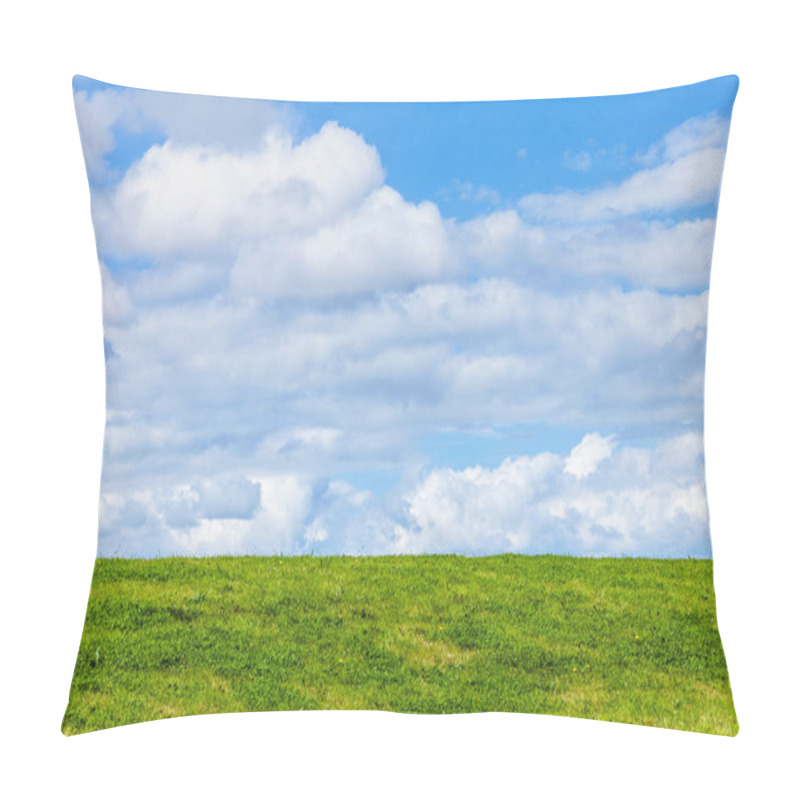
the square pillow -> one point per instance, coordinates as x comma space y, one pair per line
404, 407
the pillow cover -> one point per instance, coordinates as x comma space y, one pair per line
404, 407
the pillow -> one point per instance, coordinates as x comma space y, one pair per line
404, 407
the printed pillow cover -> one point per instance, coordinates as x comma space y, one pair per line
404, 407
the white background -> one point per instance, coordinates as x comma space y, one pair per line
51, 421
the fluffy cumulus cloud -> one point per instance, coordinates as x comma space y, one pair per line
284, 331
382, 243
205, 201
595, 501
585, 457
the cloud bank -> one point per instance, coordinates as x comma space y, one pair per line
597, 500
286, 333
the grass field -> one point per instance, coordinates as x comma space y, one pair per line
628, 640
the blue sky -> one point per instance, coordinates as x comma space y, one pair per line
375, 328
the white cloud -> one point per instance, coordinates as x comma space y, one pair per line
697, 133
682, 171
680, 454
585, 457
623, 505
384, 242
476, 509
223, 497
263, 515
193, 200
499, 240
306, 219
343, 388
117, 305
648, 254
688, 182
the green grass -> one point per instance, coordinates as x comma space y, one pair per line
628, 640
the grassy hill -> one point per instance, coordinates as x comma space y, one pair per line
628, 640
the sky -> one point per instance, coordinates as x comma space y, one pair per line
374, 328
